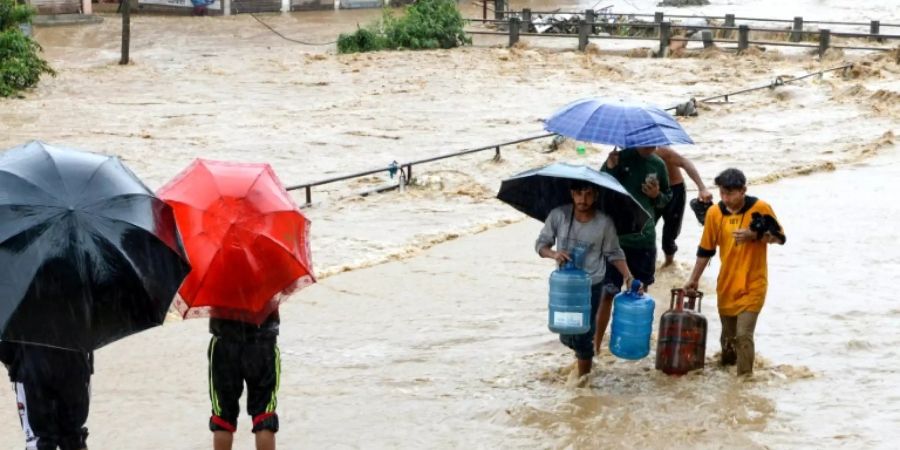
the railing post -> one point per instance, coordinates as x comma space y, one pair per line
707, 39
309, 195
875, 30
484, 9
743, 37
824, 41
499, 6
729, 22
796, 35
526, 19
665, 29
583, 31
589, 18
513, 31
658, 18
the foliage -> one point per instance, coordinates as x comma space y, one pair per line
20, 65
428, 24
367, 39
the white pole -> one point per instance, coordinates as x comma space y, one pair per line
226, 7
285, 5
86, 7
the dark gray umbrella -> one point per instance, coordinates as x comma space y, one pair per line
536, 192
88, 254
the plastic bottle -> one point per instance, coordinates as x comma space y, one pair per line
569, 309
632, 323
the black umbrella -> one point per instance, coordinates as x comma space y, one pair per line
88, 254
536, 192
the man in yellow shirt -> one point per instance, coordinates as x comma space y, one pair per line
741, 227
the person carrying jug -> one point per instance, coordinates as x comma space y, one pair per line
741, 227
644, 175
581, 224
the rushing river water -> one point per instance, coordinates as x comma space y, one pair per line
427, 327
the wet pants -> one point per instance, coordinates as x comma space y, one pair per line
672, 217
737, 341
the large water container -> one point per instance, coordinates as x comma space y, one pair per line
632, 323
682, 335
570, 298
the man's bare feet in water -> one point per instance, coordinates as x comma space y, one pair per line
670, 259
578, 381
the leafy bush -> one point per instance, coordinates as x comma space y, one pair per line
20, 65
428, 24
364, 40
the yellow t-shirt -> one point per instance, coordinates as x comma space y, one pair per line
743, 278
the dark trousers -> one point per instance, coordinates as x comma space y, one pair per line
672, 216
53, 394
642, 264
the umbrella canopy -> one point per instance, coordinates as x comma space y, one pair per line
536, 192
246, 239
617, 122
88, 254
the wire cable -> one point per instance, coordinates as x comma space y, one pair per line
297, 41
779, 81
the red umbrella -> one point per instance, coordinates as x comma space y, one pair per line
247, 241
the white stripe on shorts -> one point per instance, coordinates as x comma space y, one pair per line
31, 441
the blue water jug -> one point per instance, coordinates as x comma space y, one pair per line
632, 323
570, 297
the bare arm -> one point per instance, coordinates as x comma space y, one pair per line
560, 257
692, 172
622, 267
699, 267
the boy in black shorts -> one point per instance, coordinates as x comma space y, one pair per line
242, 352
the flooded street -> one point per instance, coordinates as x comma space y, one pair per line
428, 326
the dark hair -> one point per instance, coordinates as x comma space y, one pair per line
580, 185
731, 179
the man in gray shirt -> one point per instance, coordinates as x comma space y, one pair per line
581, 224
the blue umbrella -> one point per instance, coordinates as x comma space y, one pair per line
536, 192
617, 122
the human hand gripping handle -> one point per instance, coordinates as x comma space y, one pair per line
691, 286
560, 257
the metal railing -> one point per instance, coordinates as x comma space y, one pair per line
405, 169
500, 10
665, 30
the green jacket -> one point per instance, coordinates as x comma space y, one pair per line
632, 172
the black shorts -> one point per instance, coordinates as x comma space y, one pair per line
53, 395
231, 364
642, 264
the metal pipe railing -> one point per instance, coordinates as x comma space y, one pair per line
406, 168
722, 17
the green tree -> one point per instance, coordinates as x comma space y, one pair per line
20, 65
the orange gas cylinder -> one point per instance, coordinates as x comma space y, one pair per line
681, 345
